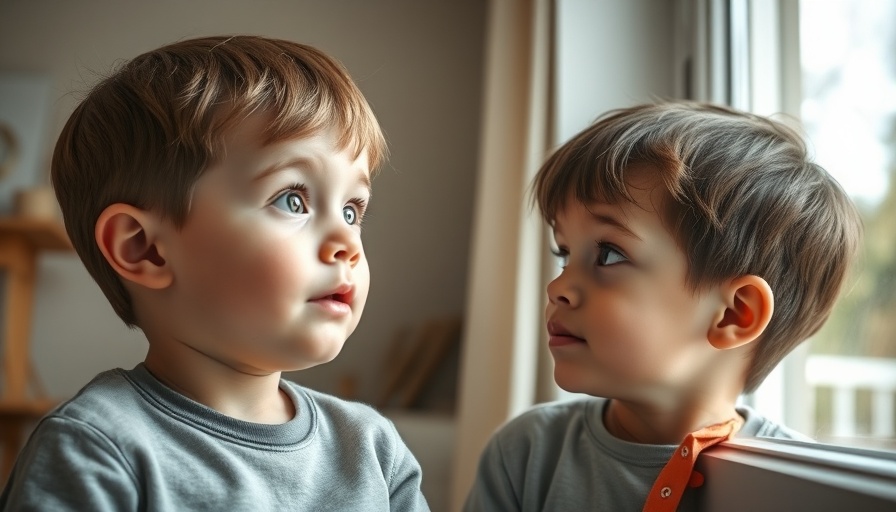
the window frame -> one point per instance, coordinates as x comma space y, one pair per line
775, 474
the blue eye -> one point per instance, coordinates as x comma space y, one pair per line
608, 255
291, 202
350, 215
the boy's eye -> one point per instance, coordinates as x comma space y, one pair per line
290, 201
562, 256
350, 214
608, 255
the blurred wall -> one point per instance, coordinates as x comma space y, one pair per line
418, 63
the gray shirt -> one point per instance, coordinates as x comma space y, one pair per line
560, 457
128, 442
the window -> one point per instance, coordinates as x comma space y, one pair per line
831, 63
841, 387
848, 63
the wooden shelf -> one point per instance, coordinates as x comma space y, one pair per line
26, 410
40, 234
21, 241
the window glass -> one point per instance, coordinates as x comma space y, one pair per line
848, 109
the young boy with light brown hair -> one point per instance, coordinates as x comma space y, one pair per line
699, 245
215, 190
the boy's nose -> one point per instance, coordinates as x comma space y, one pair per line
341, 244
562, 293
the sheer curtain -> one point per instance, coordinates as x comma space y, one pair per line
503, 321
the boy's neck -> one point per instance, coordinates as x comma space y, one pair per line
235, 393
646, 424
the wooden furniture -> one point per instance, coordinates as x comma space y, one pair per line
22, 398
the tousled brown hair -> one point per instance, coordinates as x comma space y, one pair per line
145, 134
743, 198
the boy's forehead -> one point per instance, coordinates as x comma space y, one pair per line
642, 190
256, 129
646, 202
595, 212
244, 153
253, 132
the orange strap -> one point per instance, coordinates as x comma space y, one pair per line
679, 471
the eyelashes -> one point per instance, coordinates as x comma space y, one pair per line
606, 254
294, 199
561, 255
353, 212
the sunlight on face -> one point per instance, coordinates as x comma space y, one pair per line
622, 320
270, 267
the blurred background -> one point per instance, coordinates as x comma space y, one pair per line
472, 94
418, 63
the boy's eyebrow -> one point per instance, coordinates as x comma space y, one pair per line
613, 221
364, 179
279, 166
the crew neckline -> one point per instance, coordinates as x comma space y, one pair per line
293, 434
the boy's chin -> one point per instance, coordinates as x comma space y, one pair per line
573, 382
566, 385
305, 363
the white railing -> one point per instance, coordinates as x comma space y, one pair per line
846, 375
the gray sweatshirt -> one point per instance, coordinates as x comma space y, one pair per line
128, 442
560, 457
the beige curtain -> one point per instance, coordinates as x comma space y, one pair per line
503, 320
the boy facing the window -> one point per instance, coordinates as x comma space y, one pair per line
699, 246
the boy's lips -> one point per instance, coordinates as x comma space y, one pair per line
560, 335
337, 301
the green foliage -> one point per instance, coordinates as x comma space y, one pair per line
864, 321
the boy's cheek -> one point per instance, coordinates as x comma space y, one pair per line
246, 276
361, 276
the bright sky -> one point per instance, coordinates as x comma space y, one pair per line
849, 67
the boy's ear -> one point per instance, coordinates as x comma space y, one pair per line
746, 312
129, 239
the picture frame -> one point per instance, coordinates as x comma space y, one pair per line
25, 106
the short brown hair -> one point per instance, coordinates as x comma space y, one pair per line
743, 198
145, 134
